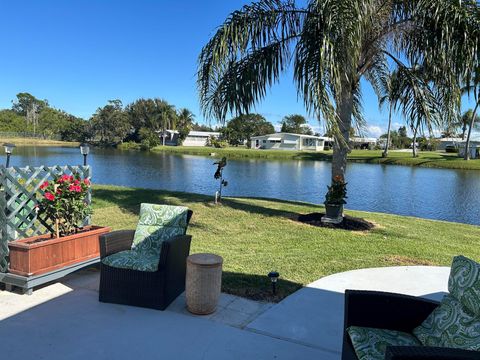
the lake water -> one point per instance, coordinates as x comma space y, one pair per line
443, 194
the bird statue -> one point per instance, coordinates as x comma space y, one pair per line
221, 164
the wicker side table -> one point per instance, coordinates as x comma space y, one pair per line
204, 282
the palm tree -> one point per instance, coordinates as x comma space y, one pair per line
332, 45
411, 93
165, 117
472, 86
185, 119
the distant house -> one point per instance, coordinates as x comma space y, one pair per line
474, 148
199, 138
288, 141
443, 143
194, 138
363, 142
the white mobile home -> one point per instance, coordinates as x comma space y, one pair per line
287, 141
363, 143
474, 148
443, 143
199, 138
194, 138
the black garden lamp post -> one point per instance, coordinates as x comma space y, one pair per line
84, 150
274, 275
8, 150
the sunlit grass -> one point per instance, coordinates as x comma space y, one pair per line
256, 236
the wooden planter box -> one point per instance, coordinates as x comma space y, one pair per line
41, 254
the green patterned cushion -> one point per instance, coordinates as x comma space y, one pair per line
133, 260
156, 224
371, 343
450, 326
464, 283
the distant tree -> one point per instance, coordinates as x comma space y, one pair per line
184, 123
110, 124
26, 102
148, 138
58, 123
76, 129
10, 121
296, 124
402, 131
52, 122
398, 138
241, 128
202, 127
154, 114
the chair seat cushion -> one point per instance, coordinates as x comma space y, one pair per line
371, 343
450, 325
133, 260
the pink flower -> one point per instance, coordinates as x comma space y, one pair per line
65, 178
86, 182
75, 188
49, 196
44, 185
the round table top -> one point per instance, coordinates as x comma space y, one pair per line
205, 259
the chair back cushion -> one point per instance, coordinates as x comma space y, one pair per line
156, 224
464, 283
450, 325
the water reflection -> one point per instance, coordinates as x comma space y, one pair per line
442, 194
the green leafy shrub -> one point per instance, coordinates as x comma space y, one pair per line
216, 143
337, 192
149, 139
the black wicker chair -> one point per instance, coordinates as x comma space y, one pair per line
394, 312
154, 290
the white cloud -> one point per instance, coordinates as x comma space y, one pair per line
374, 131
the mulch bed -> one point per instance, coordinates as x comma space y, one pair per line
348, 223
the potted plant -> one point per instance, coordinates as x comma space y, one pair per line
63, 202
335, 198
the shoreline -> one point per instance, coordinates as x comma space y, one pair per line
429, 159
22, 141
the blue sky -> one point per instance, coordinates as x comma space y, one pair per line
80, 54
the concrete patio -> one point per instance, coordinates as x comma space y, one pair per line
65, 320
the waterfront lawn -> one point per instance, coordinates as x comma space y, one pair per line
425, 158
256, 236
25, 141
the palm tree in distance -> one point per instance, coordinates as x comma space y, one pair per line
411, 93
333, 45
472, 86
165, 117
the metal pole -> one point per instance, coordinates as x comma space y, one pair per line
8, 160
84, 159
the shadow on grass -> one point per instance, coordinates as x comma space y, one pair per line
129, 200
257, 287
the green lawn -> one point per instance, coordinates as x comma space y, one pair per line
256, 236
425, 159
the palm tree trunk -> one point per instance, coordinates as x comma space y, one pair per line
385, 151
466, 156
341, 145
414, 146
